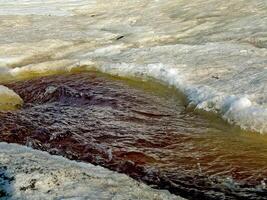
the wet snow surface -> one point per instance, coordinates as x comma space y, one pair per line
32, 174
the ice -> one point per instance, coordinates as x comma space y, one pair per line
39, 7
9, 99
212, 51
32, 174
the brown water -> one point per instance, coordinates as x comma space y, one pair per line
139, 128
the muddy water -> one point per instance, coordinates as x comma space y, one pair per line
141, 129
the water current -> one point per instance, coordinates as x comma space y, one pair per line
141, 128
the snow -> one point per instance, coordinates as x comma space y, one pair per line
212, 51
30, 174
9, 99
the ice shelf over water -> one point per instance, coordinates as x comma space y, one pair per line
31, 174
212, 51
9, 99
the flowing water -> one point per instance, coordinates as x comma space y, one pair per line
213, 51
202, 134
143, 129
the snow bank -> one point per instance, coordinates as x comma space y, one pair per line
32, 174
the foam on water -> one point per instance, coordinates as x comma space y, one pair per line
214, 52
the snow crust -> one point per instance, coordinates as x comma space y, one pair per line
30, 174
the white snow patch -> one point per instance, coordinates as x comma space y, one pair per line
31, 174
